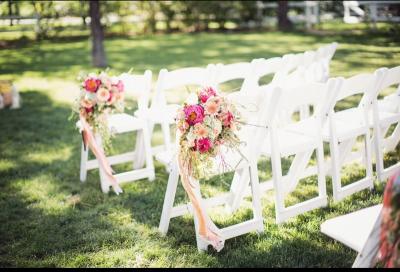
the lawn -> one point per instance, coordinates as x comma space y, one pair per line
49, 218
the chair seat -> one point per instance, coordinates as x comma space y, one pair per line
354, 228
290, 143
159, 114
352, 121
122, 122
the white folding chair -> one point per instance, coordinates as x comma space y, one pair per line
260, 68
124, 123
251, 136
224, 73
386, 113
161, 112
325, 54
358, 230
345, 126
299, 139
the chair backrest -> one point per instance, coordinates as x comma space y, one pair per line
392, 77
227, 72
260, 68
168, 80
322, 96
327, 51
254, 130
365, 84
290, 65
138, 86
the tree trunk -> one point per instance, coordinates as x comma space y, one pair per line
10, 12
98, 54
283, 21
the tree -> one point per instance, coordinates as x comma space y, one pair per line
98, 54
283, 21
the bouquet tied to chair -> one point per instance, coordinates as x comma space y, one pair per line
206, 123
100, 95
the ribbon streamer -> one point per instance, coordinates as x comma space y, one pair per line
89, 140
208, 232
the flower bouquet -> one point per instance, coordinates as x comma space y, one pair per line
100, 96
206, 122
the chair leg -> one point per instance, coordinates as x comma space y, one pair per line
169, 200
279, 194
84, 159
336, 180
256, 196
167, 135
147, 151
238, 187
104, 184
378, 145
139, 158
368, 158
321, 171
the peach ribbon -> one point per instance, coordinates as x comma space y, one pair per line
89, 140
207, 230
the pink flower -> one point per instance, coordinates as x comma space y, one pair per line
183, 126
112, 99
86, 103
200, 130
227, 119
211, 91
206, 93
194, 114
103, 95
203, 145
92, 84
212, 105
120, 86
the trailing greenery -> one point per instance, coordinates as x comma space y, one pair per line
49, 218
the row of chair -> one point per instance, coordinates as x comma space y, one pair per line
300, 85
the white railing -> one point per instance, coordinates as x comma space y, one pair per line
372, 6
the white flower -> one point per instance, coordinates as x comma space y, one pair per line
114, 80
79, 126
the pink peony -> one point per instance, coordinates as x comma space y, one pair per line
206, 93
203, 145
194, 114
211, 91
92, 84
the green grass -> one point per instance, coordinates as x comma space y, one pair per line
49, 218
